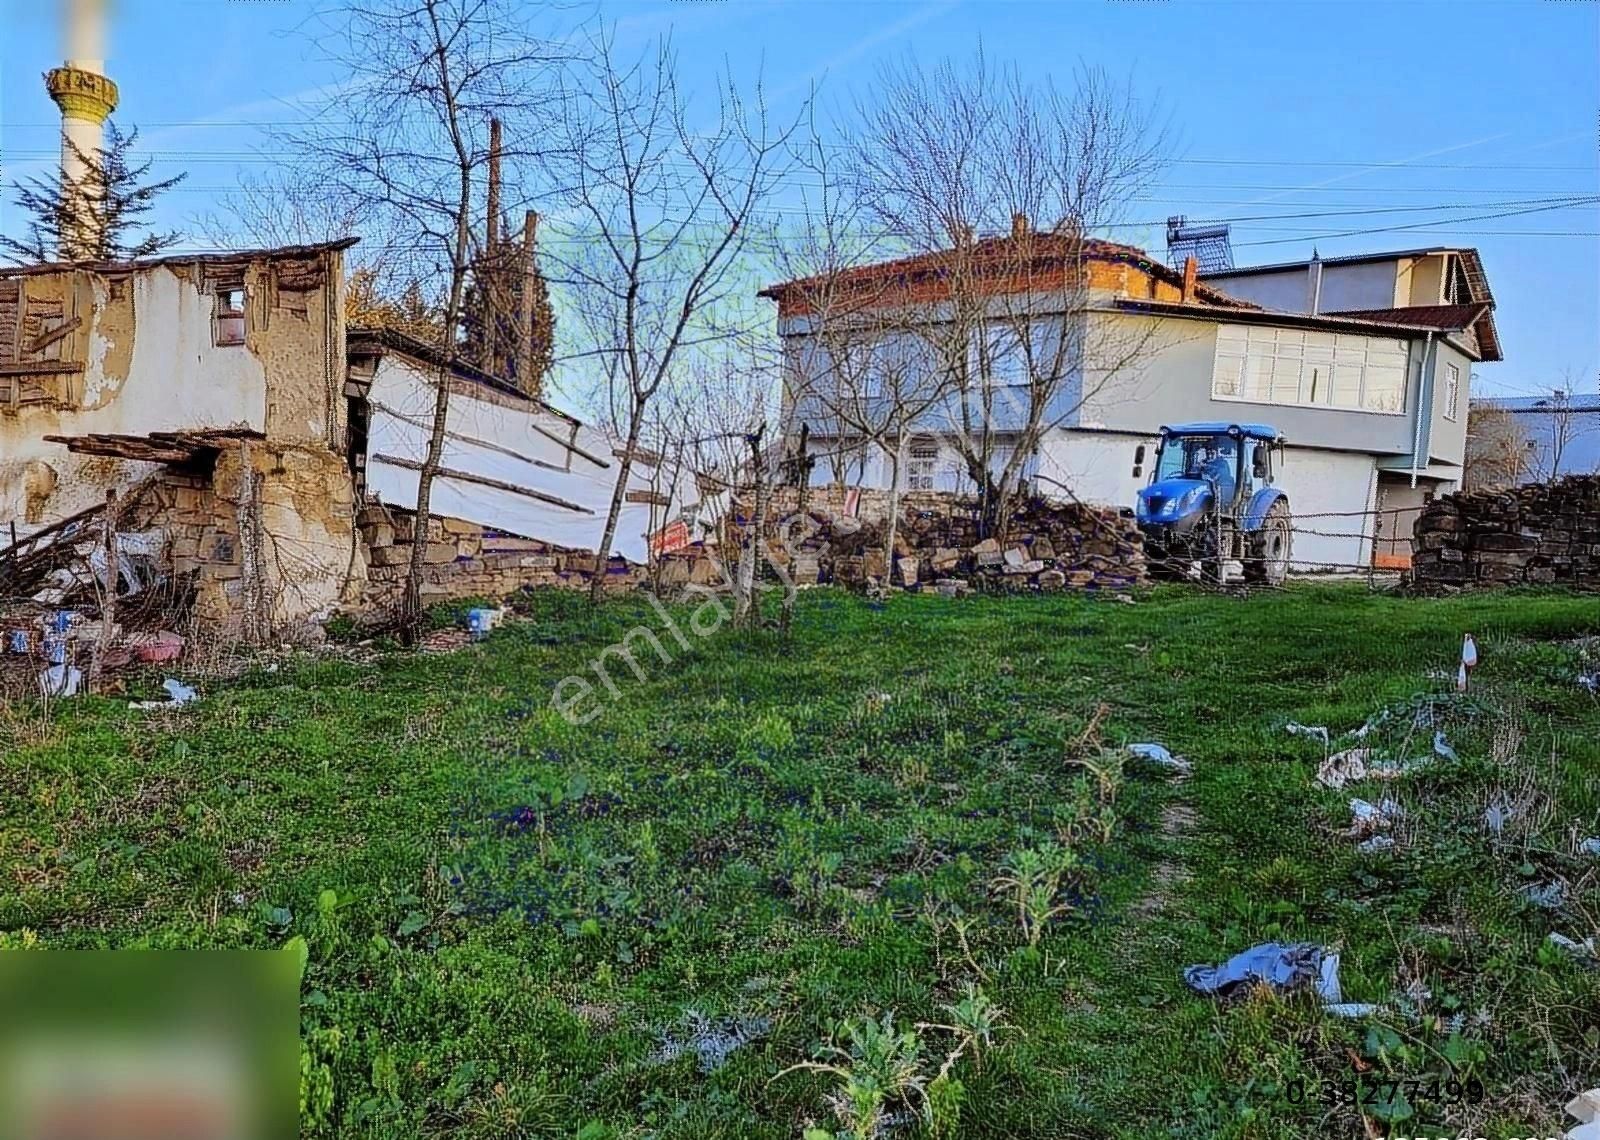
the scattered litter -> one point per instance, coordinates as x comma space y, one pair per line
482, 620
1590, 846
60, 680
1343, 767
1390, 770
1496, 816
1590, 681
1285, 968
1469, 662
1158, 755
1355, 1009
178, 695
1126, 599
711, 1040
1317, 731
157, 647
1585, 1108
1376, 844
1442, 749
1546, 896
1365, 817
1583, 951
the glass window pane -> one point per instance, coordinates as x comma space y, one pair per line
1228, 376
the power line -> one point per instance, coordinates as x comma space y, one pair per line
1412, 226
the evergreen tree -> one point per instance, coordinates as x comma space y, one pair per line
492, 315
98, 211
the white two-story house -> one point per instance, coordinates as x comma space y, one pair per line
1362, 363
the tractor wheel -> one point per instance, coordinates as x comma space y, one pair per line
1269, 547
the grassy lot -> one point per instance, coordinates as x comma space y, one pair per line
906, 833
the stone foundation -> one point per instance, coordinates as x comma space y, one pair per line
466, 560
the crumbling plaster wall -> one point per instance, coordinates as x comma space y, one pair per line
150, 364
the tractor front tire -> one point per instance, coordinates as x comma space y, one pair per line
1268, 560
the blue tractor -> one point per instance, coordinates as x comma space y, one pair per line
1212, 509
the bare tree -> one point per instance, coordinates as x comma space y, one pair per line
405, 143
1498, 449
665, 212
853, 368
1568, 423
1007, 324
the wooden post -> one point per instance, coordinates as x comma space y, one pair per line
108, 601
525, 377
494, 186
248, 518
490, 272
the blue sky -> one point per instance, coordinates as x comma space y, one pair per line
1278, 109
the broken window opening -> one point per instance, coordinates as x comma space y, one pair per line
228, 310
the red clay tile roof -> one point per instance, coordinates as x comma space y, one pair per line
1045, 250
1447, 318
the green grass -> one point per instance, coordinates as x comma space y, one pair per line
777, 839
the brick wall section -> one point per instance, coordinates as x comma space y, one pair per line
1538, 533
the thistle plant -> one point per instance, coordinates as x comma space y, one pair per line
1030, 879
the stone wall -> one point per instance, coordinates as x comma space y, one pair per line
1538, 533
1050, 545
466, 560
281, 541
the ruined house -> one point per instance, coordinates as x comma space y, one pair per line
266, 458
207, 392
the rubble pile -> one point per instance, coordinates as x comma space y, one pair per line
1536, 533
1051, 546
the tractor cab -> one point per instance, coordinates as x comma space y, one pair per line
1212, 498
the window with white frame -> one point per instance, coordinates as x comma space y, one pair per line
1309, 368
1452, 391
923, 464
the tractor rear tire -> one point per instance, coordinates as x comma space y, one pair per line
1268, 560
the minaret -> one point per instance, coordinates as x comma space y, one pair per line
86, 97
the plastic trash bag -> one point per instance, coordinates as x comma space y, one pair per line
1442, 749
60, 681
1545, 896
1585, 1108
1590, 846
1376, 844
1316, 731
1353, 1009
1366, 817
178, 695
1284, 968
1158, 755
1496, 816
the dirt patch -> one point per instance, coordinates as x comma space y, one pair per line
1176, 819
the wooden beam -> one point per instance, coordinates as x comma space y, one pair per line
45, 339
40, 367
455, 435
484, 481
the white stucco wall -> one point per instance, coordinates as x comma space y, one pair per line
176, 379
402, 399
